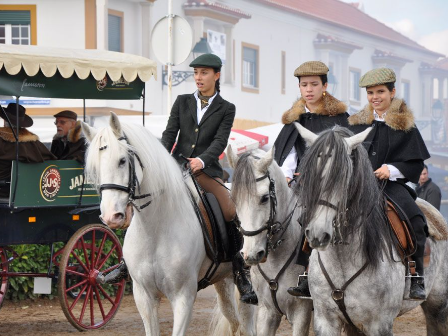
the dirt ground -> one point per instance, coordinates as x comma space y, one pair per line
45, 317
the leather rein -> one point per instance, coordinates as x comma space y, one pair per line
133, 183
273, 227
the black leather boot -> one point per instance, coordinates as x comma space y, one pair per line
241, 276
118, 274
302, 288
417, 290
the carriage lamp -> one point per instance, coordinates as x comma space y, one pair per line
31, 219
75, 217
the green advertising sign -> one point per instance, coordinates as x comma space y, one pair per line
59, 87
51, 183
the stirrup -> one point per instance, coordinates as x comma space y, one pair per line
302, 277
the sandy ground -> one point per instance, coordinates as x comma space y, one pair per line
45, 317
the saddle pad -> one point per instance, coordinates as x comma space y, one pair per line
405, 243
437, 225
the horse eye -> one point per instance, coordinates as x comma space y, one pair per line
122, 161
264, 199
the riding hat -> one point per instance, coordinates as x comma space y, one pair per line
67, 114
207, 61
10, 110
377, 77
311, 68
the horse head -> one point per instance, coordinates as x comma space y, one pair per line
113, 165
323, 185
254, 192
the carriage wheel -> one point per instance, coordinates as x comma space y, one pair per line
4, 283
87, 304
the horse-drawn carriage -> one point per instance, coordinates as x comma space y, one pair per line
51, 202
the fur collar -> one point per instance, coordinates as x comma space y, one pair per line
24, 135
328, 106
399, 117
74, 135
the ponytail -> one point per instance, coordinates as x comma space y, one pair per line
217, 85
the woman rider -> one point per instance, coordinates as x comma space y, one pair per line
316, 110
201, 122
396, 151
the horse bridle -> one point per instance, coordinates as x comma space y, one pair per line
271, 226
133, 183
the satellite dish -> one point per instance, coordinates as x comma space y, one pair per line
182, 40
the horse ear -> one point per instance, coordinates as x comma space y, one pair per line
266, 160
114, 123
89, 132
356, 139
307, 135
231, 156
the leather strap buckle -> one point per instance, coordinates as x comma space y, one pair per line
337, 295
273, 285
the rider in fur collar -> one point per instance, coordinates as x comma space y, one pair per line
71, 147
399, 117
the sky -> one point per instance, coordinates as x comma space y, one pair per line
424, 21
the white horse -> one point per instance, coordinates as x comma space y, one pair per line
164, 246
268, 214
353, 247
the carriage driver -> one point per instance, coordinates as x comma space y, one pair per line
397, 152
68, 144
31, 150
201, 122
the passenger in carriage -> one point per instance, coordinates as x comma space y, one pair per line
201, 122
68, 143
31, 150
397, 152
317, 111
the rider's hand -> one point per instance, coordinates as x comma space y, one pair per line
195, 164
382, 173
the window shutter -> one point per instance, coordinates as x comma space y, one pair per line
114, 33
15, 17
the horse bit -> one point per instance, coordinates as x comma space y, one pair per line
133, 183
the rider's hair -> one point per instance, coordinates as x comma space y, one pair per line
217, 84
390, 86
323, 78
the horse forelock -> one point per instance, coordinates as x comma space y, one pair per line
349, 178
243, 182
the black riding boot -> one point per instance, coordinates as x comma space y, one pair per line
302, 288
121, 272
417, 290
241, 276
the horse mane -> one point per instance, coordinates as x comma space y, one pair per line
162, 175
243, 180
350, 180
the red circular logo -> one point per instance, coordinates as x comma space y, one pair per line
50, 183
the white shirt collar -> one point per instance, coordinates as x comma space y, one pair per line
307, 110
377, 116
201, 111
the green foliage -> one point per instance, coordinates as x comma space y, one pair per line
35, 259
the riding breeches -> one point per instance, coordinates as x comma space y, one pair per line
221, 194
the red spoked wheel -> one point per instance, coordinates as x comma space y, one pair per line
3, 279
87, 304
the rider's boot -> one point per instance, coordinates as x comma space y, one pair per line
417, 290
302, 289
118, 274
241, 276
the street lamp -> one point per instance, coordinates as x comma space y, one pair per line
202, 47
437, 110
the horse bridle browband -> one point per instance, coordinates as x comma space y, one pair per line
133, 184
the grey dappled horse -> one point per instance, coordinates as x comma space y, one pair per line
268, 214
345, 224
164, 246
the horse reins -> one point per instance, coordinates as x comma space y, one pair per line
133, 183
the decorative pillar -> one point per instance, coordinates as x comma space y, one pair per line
229, 56
102, 24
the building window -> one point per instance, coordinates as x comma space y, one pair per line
406, 90
283, 84
355, 92
250, 68
18, 24
115, 30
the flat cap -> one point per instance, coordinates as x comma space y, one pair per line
377, 77
66, 114
207, 61
311, 68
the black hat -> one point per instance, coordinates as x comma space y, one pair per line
67, 114
10, 110
207, 61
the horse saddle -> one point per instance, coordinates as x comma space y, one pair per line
216, 238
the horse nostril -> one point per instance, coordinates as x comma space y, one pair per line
119, 216
260, 255
326, 239
307, 233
